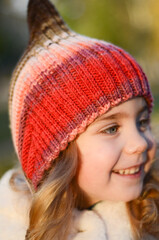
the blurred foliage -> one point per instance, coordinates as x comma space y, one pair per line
131, 24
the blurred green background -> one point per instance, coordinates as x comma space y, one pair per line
131, 24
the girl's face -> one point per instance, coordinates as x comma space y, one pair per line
116, 152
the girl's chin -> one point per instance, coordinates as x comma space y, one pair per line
131, 196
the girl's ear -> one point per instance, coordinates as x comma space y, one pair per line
42, 16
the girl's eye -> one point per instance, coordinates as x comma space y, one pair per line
144, 124
111, 130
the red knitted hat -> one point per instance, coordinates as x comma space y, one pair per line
63, 82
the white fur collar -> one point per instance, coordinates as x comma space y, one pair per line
14, 210
107, 220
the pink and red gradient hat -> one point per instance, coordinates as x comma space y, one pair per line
63, 82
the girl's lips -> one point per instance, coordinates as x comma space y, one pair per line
129, 171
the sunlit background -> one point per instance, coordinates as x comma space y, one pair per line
131, 24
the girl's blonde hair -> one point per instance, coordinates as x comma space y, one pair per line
144, 211
58, 195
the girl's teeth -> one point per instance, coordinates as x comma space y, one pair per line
131, 171
128, 171
121, 171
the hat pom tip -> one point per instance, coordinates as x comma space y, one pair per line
42, 15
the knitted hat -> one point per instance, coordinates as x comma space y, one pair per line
63, 82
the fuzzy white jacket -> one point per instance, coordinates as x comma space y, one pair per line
107, 221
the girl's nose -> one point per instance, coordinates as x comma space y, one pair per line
136, 143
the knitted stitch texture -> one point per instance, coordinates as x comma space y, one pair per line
63, 82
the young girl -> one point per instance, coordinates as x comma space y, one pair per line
80, 120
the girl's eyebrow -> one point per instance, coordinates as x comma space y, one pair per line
119, 115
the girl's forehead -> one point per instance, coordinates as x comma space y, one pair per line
132, 106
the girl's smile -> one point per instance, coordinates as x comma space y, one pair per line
128, 171
132, 171
115, 153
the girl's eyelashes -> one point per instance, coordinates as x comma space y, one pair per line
144, 124
112, 130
